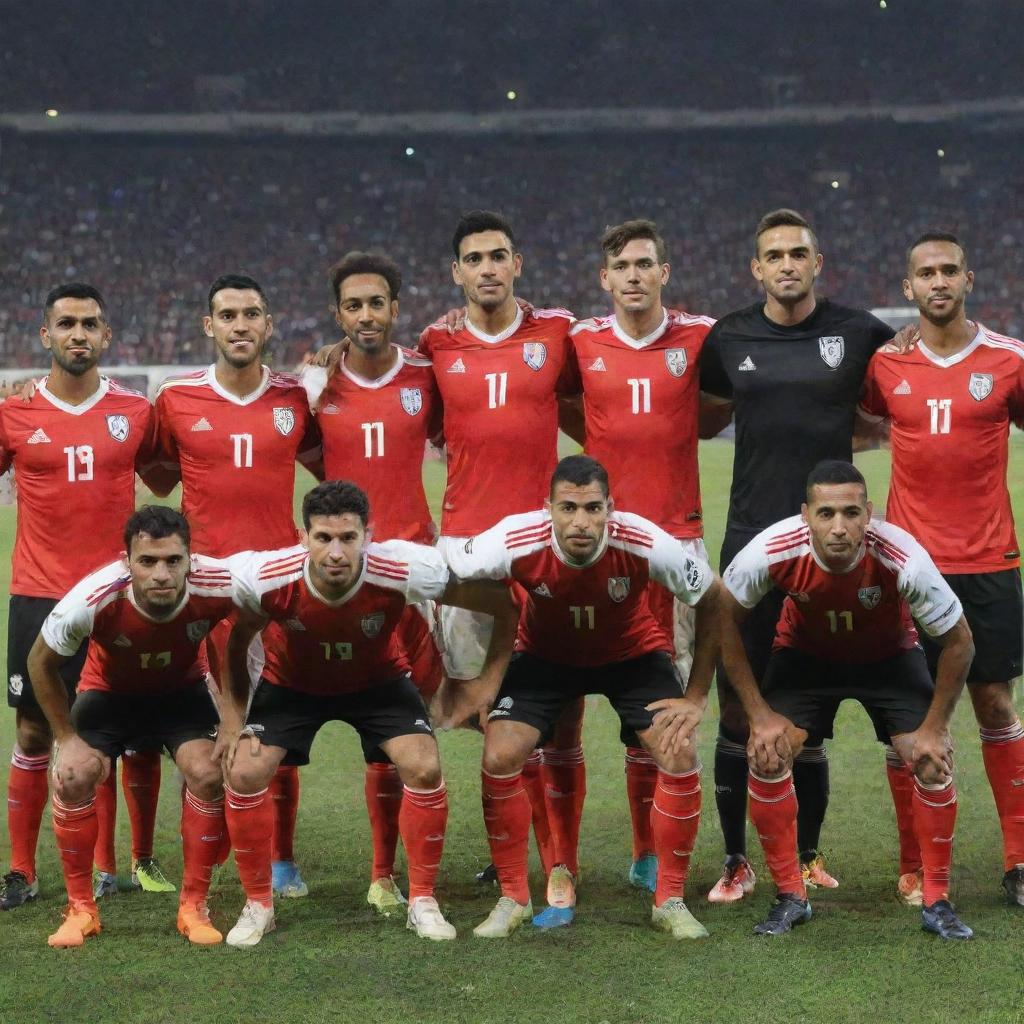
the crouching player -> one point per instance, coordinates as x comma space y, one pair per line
846, 633
334, 606
143, 686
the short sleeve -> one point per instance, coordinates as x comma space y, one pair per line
69, 624
713, 378
934, 606
485, 556
1017, 397
683, 572
6, 452
748, 576
872, 404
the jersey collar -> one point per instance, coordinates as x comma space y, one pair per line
596, 557
211, 379
345, 598
639, 343
165, 618
832, 572
494, 339
956, 357
74, 410
380, 382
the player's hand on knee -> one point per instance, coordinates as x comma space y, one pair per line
768, 747
675, 722
77, 765
932, 756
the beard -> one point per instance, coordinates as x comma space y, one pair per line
77, 366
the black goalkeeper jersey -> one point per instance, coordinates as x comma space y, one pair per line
795, 392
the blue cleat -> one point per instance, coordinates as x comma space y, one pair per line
940, 919
286, 881
786, 913
643, 873
554, 917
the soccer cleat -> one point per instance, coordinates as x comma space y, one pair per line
253, 923
194, 923
104, 883
148, 876
940, 919
561, 887
673, 917
554, 917
910, 888
79, 923
643, 873
737, 881
487, 876
787, 912
427, 921
16, 890
1013, 883
504, 919
815, 875
385, 897
286, 881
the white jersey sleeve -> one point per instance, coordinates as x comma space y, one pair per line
935, 607
314, 381
489, 555
254, 573
686, 574
419, 572
72, 618
748, 576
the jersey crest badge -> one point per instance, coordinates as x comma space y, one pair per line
197, 630
412, 400
535, 354
694, 574
675, 360
618, 588
373, 624
284, 420
869, 596
980, 386
118, 426
15, 685
832, 350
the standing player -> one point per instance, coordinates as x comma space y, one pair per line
846, 634
791, 369
234, 432
950, 401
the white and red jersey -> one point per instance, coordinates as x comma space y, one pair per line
950, 424
860, 616
585, 615
237, 457
642, 399
500, 414
130, 652
329, 647
76, 468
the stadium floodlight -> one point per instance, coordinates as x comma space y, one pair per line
409, 151
52, 112
511, 94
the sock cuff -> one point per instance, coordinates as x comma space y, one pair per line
893, 759
638, 756
812, 755
770, 791
244, 801
935, 796
212, 808
381, 768
728, 747
29, 762
1012, 732
535, 760
71, 811
437, 790
501, 787
572, 755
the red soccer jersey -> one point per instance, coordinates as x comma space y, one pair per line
500, 414
641, 400
950, 425
375, 433
76, 469
237, 457
590, 615
860, 616
331, 647
129, 652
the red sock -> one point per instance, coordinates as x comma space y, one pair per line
284, 793
533, 780
935, 818
565, 776
641, 778
507, 818
1003, 751
105, 854
675, 815
250, 819
140, 782
901, 783
75, 830
773, 811
28, 786
383, 790
422, 822
202, 832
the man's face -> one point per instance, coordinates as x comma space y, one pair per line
335, 545
159, 571
838, 515
938, 281
579, 515
635, 277
76, 333
486, 269
239, 325
786, 263
366, 312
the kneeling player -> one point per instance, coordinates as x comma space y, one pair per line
846, 633
143, 685
334, 606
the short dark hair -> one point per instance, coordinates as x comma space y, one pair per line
936, 236
580, 470
356, 262
73, 290
158, 521
618, 236
834, 471
335, 498
782, 218
240, 281
475, 221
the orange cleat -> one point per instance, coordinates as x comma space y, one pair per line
910, 888
737, 881
80, 921
815, 875
194, 923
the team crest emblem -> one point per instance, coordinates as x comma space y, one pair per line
675, 360
618, 588
535, 354
373, 624
284, 420
119, 426
197, 630
412, 400
869, 596
832, 350
980, 386
694, 574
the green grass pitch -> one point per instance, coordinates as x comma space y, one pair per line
863, 957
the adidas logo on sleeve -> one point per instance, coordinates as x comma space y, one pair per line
201, 424
39, 437
903, 388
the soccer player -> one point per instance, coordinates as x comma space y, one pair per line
950, 401
791, 368
144, 681
846, 633
234, 432
587, 627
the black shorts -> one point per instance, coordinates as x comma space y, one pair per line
536, 691
994, 609
895, 692
116, 722
25, 618
283, 717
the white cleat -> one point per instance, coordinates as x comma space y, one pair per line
504, 919
427, 921
254, 922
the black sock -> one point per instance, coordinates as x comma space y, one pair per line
731, 793
810, 780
